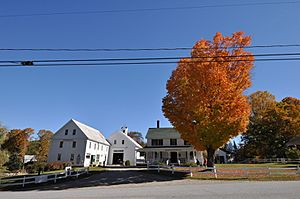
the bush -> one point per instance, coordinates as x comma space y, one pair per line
35, 167
14, 163
127, 163
293, 153
187, 164
57, 166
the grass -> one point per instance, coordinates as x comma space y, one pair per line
3, 171
250, 178
259, 172
262, 165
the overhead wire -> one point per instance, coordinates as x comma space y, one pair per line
140, 49
148, 63
150, 9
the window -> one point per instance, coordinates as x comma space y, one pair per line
66, 132
115, 141
88, 156
157, 142
98, 146
74, 131
155, 155
95, 146
101, 147
72, 157
58, 157
186, 143
74, 144
90, 145
123, 141
97, 158
61, 144
173, 142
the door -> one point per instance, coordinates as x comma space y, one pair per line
173, 157
118, 158
92, 159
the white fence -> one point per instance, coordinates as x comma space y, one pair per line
214, 171
41, 178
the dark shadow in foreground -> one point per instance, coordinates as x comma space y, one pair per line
102, 178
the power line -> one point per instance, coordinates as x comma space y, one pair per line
150, 9
149, 58
149, 62
139, 49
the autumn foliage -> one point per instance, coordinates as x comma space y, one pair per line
272, 125
205, 100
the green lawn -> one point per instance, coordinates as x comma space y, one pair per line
3, 171
262, 165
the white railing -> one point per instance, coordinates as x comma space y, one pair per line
41, 178
271, 160
241, 171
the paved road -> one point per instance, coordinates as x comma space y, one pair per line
137, 187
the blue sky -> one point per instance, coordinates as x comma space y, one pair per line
108, 97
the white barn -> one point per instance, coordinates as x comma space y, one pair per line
123, 148
80, 144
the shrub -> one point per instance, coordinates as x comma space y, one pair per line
14, 163
57, 165
293, 153
187, 164
127, 163
35, 167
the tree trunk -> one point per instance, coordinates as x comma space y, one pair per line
210, 156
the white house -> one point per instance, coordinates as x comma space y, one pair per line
123, 148
80, 144
165, 145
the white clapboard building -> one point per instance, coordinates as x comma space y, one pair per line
79, 144
165, 145
123, 148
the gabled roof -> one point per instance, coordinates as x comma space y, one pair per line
90, 132
127, 136
161, 133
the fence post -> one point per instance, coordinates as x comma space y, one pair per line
172, 169
147, 165
158, 169
298, 170
55, 176
269, 170
191, 173
24, 179
77, 174
87, 170
215, 172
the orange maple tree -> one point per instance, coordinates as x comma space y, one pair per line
43, 145
205, 100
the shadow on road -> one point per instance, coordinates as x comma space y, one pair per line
102, 178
